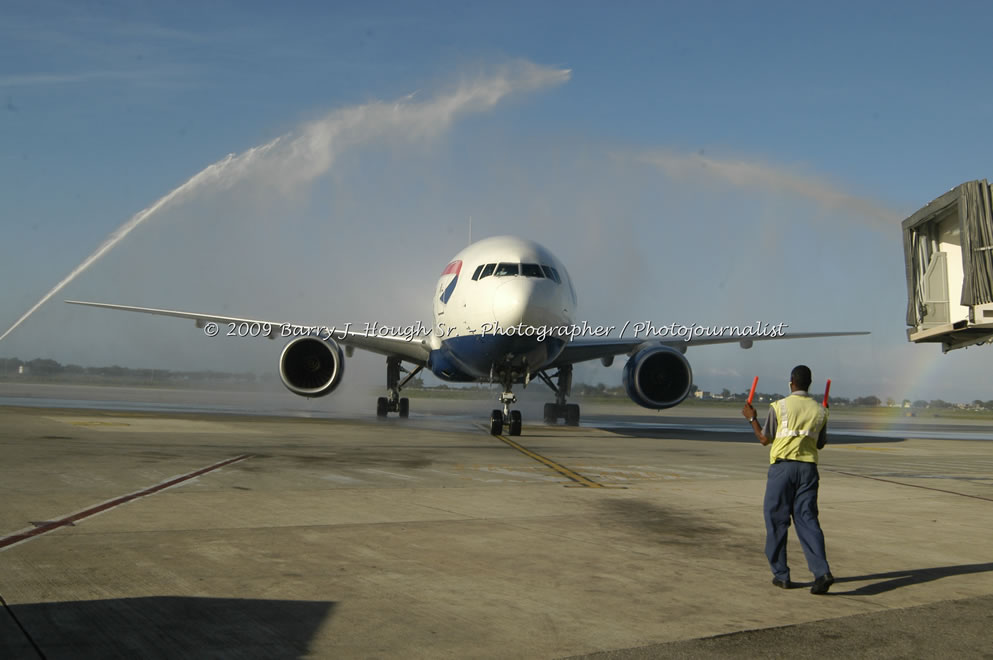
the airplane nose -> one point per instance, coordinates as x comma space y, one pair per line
510, 301
526, 301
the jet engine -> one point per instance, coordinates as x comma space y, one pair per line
657, 377
311, 367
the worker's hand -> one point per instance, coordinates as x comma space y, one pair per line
748, 411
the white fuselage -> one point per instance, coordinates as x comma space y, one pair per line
501, 304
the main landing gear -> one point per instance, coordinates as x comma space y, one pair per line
568, 412
393, 401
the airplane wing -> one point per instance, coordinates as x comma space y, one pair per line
415, 350
592, 348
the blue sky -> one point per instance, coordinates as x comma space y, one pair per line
701, 162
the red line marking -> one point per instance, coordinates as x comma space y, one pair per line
13, 539
454, 267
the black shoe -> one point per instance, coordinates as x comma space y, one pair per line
782, 584
822, 584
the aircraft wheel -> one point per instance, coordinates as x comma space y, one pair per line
496, 422
551, 413
404, 407
515, 422
381, 406
572, 414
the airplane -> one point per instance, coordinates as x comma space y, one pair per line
504, 312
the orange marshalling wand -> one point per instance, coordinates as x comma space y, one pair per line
827, 389
751, 393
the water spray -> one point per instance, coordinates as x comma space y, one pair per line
292, 160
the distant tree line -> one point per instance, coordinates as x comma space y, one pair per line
602, 390
50, 370
43, 369
840, 401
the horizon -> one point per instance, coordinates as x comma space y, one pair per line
269, 377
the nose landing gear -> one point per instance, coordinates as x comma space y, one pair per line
567, 412
512, 418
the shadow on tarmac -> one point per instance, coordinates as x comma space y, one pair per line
165, 627
675, 527
896, 579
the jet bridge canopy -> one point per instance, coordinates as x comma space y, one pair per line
948, 254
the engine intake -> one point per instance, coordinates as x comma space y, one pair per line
311, 367
657, 377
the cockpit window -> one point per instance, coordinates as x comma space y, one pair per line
531, 270
552, 274
504, 269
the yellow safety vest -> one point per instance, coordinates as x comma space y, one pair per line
799, 420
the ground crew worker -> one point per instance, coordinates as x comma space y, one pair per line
797, 428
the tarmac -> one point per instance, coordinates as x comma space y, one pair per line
161, 534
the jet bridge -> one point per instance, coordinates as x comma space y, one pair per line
948, 253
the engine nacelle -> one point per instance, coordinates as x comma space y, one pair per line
658, 377
311, 367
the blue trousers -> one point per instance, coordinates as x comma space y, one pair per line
791, 492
